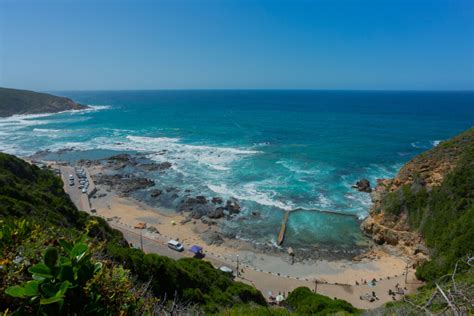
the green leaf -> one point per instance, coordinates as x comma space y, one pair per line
49, 290
51, 300
31, 288
66, 273
51, 257
41, 270
15, 291
62, 289
66, 245
38, 278
79, 250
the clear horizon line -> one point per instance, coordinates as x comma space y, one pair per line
258, 89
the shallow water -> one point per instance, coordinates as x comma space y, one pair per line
273, 150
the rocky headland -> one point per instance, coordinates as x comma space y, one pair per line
15, 102
394, 218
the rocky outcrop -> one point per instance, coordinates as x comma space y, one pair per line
363, 186
387, 222
232, 206
197, 206
216, 213
124, 184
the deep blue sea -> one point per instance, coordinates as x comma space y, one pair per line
272, 150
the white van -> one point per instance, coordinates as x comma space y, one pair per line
175, 245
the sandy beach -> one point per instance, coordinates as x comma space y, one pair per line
343, 279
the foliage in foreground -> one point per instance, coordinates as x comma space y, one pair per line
428, 300
57, 260
304, 302
27, 192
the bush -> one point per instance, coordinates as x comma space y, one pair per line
304, 302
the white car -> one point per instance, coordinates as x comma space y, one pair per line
84, 190
175, 245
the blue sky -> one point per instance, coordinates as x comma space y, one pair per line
178, 44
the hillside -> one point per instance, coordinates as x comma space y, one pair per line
14, 101
427, 210
55, 260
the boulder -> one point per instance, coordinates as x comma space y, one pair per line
363, 186
217, 200
232, 206
197, 206
156, 193
217, 213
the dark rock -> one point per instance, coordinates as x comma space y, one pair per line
232, 206
124, 184
378, 239
201, 199
363, 186
156, 166
217, 213
156, 193
120, 158
217, 200
196, 214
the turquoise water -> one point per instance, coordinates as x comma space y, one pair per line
273, 150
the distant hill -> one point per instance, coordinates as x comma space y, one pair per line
14, 101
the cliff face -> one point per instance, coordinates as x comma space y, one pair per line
409, 207
13, 101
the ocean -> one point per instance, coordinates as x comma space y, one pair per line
272, 150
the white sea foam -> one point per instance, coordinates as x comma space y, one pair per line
216, 158
425, 145
250, 192
435, 143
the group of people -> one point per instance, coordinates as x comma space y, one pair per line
276, 300
373, 282
398, 290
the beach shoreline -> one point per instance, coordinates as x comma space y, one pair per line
269, 272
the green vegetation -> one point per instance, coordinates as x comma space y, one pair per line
57, 260
444, 215
13, 101
305, 302
40, 222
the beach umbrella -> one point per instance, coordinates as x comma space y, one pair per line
280, 298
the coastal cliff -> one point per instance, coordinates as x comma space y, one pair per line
427, 209
14, 101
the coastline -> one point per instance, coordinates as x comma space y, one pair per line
268, 272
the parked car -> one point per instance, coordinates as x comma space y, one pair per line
84, 190
175, 245
227, 270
